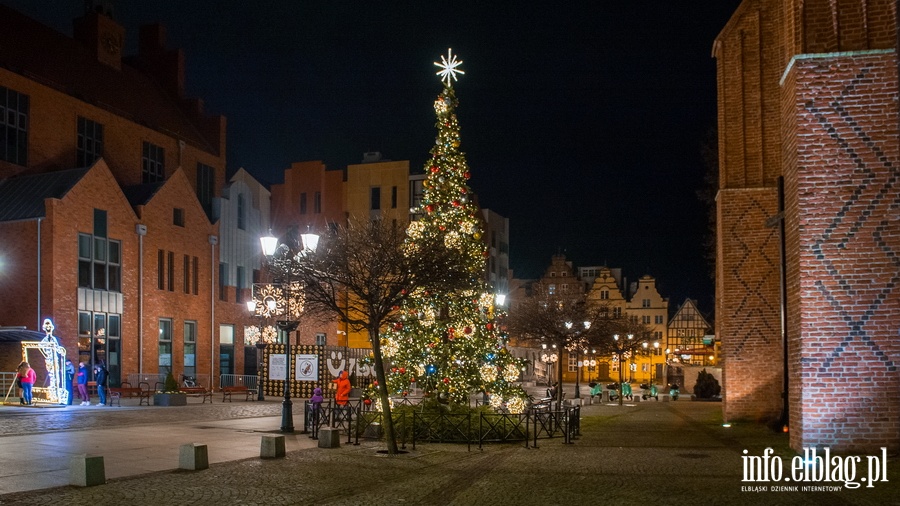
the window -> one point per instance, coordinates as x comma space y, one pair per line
573, 363
206, 186
375, 194
645, 303
178, 217
617, 312
194, 271
393, 197
645, 319
551, 289
153, 163
99, 259
161, 270
223, 278
190, 348
165, 345
13, 126
303, 203
320, 339
241, 213
564, 287
187, 274
170, 265
238, 297
658, 320
226, 349
89, 144
604, 294
317, 203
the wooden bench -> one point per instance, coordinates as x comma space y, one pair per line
202, 392
227, 392
126, 390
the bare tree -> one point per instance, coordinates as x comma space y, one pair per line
567, 321
555, 321
362, 273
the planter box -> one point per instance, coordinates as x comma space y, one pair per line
169, 400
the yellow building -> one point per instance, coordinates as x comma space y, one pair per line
647, 307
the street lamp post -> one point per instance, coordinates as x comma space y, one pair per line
548, 359
282, 258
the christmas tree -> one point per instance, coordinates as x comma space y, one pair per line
452, 343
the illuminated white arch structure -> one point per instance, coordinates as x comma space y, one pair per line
55, 363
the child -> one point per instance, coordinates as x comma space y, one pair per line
315, 404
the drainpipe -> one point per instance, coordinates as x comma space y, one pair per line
213, 240
141, 231
39, 322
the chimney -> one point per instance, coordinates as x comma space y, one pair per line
167, 66
102, 36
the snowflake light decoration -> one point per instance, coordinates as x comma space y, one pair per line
448, 67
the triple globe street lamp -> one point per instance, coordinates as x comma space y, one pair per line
577, 345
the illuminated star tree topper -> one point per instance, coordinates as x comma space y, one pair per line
449, 67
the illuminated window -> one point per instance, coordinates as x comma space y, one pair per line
165, 345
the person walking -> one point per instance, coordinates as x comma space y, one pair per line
82, 379
342, 394
101, 375
70, 377
26, 376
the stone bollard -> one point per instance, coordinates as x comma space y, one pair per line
86, 470
329, 437
193, 457
271, 446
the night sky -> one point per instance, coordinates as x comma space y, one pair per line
582, 121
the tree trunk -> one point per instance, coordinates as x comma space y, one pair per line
387, 421
621, 379
559, 380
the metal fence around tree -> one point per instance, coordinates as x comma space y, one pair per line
411, 426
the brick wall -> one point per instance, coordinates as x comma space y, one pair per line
843, 211
748, 316
813, 82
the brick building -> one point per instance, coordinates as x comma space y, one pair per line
109, 173
808, 95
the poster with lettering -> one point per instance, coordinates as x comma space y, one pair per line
307, 367
277, 366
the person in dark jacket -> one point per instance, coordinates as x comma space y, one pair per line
101, 375
70, 377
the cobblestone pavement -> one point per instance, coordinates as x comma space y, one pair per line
646, 453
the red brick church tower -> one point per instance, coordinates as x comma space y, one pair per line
808, 102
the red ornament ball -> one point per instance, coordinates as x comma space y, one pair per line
467, 330
434, 169
446, 380
429, 208
466, 174
367, 402
402, 370
490, 326
455, 203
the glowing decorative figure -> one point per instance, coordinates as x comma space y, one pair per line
448, 67
55, 363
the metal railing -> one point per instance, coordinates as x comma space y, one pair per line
6, 381
359, 420
250, 381
153, 379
